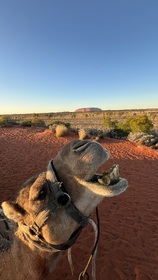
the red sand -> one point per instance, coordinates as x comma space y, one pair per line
128, 247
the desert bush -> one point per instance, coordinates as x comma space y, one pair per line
116, 129
82, 134
54, 123
134, 125
121, 132
95, 132
61, 130
5, 121
141, 124
116, 133
32, 122
37, 122
98, 133
124, 127
26, 122
108, 123
67, 124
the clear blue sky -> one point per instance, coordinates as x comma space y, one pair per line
60, 55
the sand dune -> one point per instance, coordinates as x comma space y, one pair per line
128, 247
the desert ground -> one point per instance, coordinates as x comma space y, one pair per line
128, 246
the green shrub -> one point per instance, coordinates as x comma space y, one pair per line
37, 122
5, 121
26, 122
33, 122
121, 129
57, 122
108, 123
120, 133
67, 124
124, 127
141, 124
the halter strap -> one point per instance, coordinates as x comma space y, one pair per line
40, 243
62, 198
70, 208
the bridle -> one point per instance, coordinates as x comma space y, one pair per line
62, 199
33, 233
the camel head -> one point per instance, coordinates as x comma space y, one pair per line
45, 206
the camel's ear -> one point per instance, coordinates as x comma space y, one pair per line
50, 174
13, 211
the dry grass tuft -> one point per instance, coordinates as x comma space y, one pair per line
82, 134
61, 130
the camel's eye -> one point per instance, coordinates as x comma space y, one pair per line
42, 194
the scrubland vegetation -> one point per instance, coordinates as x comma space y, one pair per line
116, 124
83, 119
137, 124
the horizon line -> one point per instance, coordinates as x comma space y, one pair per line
101, 110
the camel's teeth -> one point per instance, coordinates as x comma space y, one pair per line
105, 181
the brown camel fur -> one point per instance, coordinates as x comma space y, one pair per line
40, 201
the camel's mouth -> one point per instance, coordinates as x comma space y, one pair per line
110, 182
107, 178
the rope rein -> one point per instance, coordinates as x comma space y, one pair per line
92, 257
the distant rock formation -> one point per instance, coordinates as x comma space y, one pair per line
89, 109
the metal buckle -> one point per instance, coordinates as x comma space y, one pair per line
64, 199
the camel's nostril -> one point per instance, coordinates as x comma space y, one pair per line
80, 146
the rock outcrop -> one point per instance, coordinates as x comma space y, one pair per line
89, 109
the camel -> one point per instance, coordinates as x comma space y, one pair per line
52, 208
